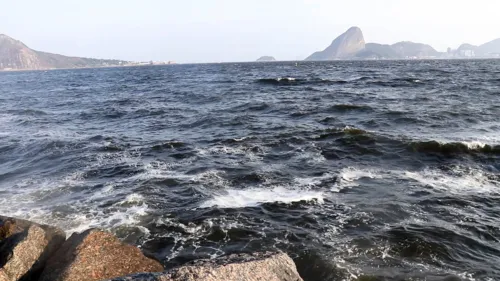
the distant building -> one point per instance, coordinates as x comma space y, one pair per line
467, 53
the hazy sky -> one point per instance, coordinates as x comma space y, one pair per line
233, 30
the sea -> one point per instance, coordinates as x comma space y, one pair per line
359, 170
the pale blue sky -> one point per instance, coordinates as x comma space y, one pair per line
232, 30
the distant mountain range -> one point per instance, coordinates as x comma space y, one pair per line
351, 45
14, 55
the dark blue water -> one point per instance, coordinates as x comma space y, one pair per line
383, 169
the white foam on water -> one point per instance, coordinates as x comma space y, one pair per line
226, 150
121, 216
28, 190
133, 198
459, 181
57, 135
104, 192
312, 157
190, 228
81, 215
211, 177
348, 177
471, 144
252, 197
286, 79
241, 139
314, 181
30, 195
474, 144
160, 170
191, 234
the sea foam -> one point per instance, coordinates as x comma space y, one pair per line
253, 197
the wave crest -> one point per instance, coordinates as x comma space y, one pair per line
452, 148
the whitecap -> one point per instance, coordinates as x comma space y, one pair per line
252, 197
314, 181
286, 79
474, 144
458, 181
348, 177
133, 198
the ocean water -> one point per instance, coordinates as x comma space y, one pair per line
388, 170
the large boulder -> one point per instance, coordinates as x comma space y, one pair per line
242, 267
96, 255
25, 247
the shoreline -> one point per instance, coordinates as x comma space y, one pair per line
251, 62
37, 252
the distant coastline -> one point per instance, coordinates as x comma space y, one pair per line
351, 45
92, 67
250, 62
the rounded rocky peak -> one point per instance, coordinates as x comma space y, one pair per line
355, 34
354, 29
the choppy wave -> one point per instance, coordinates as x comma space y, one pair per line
398, 82
290, 81
358, 170
453, 148
350, 107
349, 177
431, 147
458, 180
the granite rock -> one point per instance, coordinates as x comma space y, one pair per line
96, 255
25, 248
242, 267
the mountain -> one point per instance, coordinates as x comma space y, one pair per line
487, 50
408, 49
490, 48
266, 58
465, 47
343, 47
377, 51
15, 55
351, 45
401, 50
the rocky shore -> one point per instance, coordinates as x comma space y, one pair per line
35, 252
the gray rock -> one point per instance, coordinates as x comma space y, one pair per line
242, 267
96, 255
25, 248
